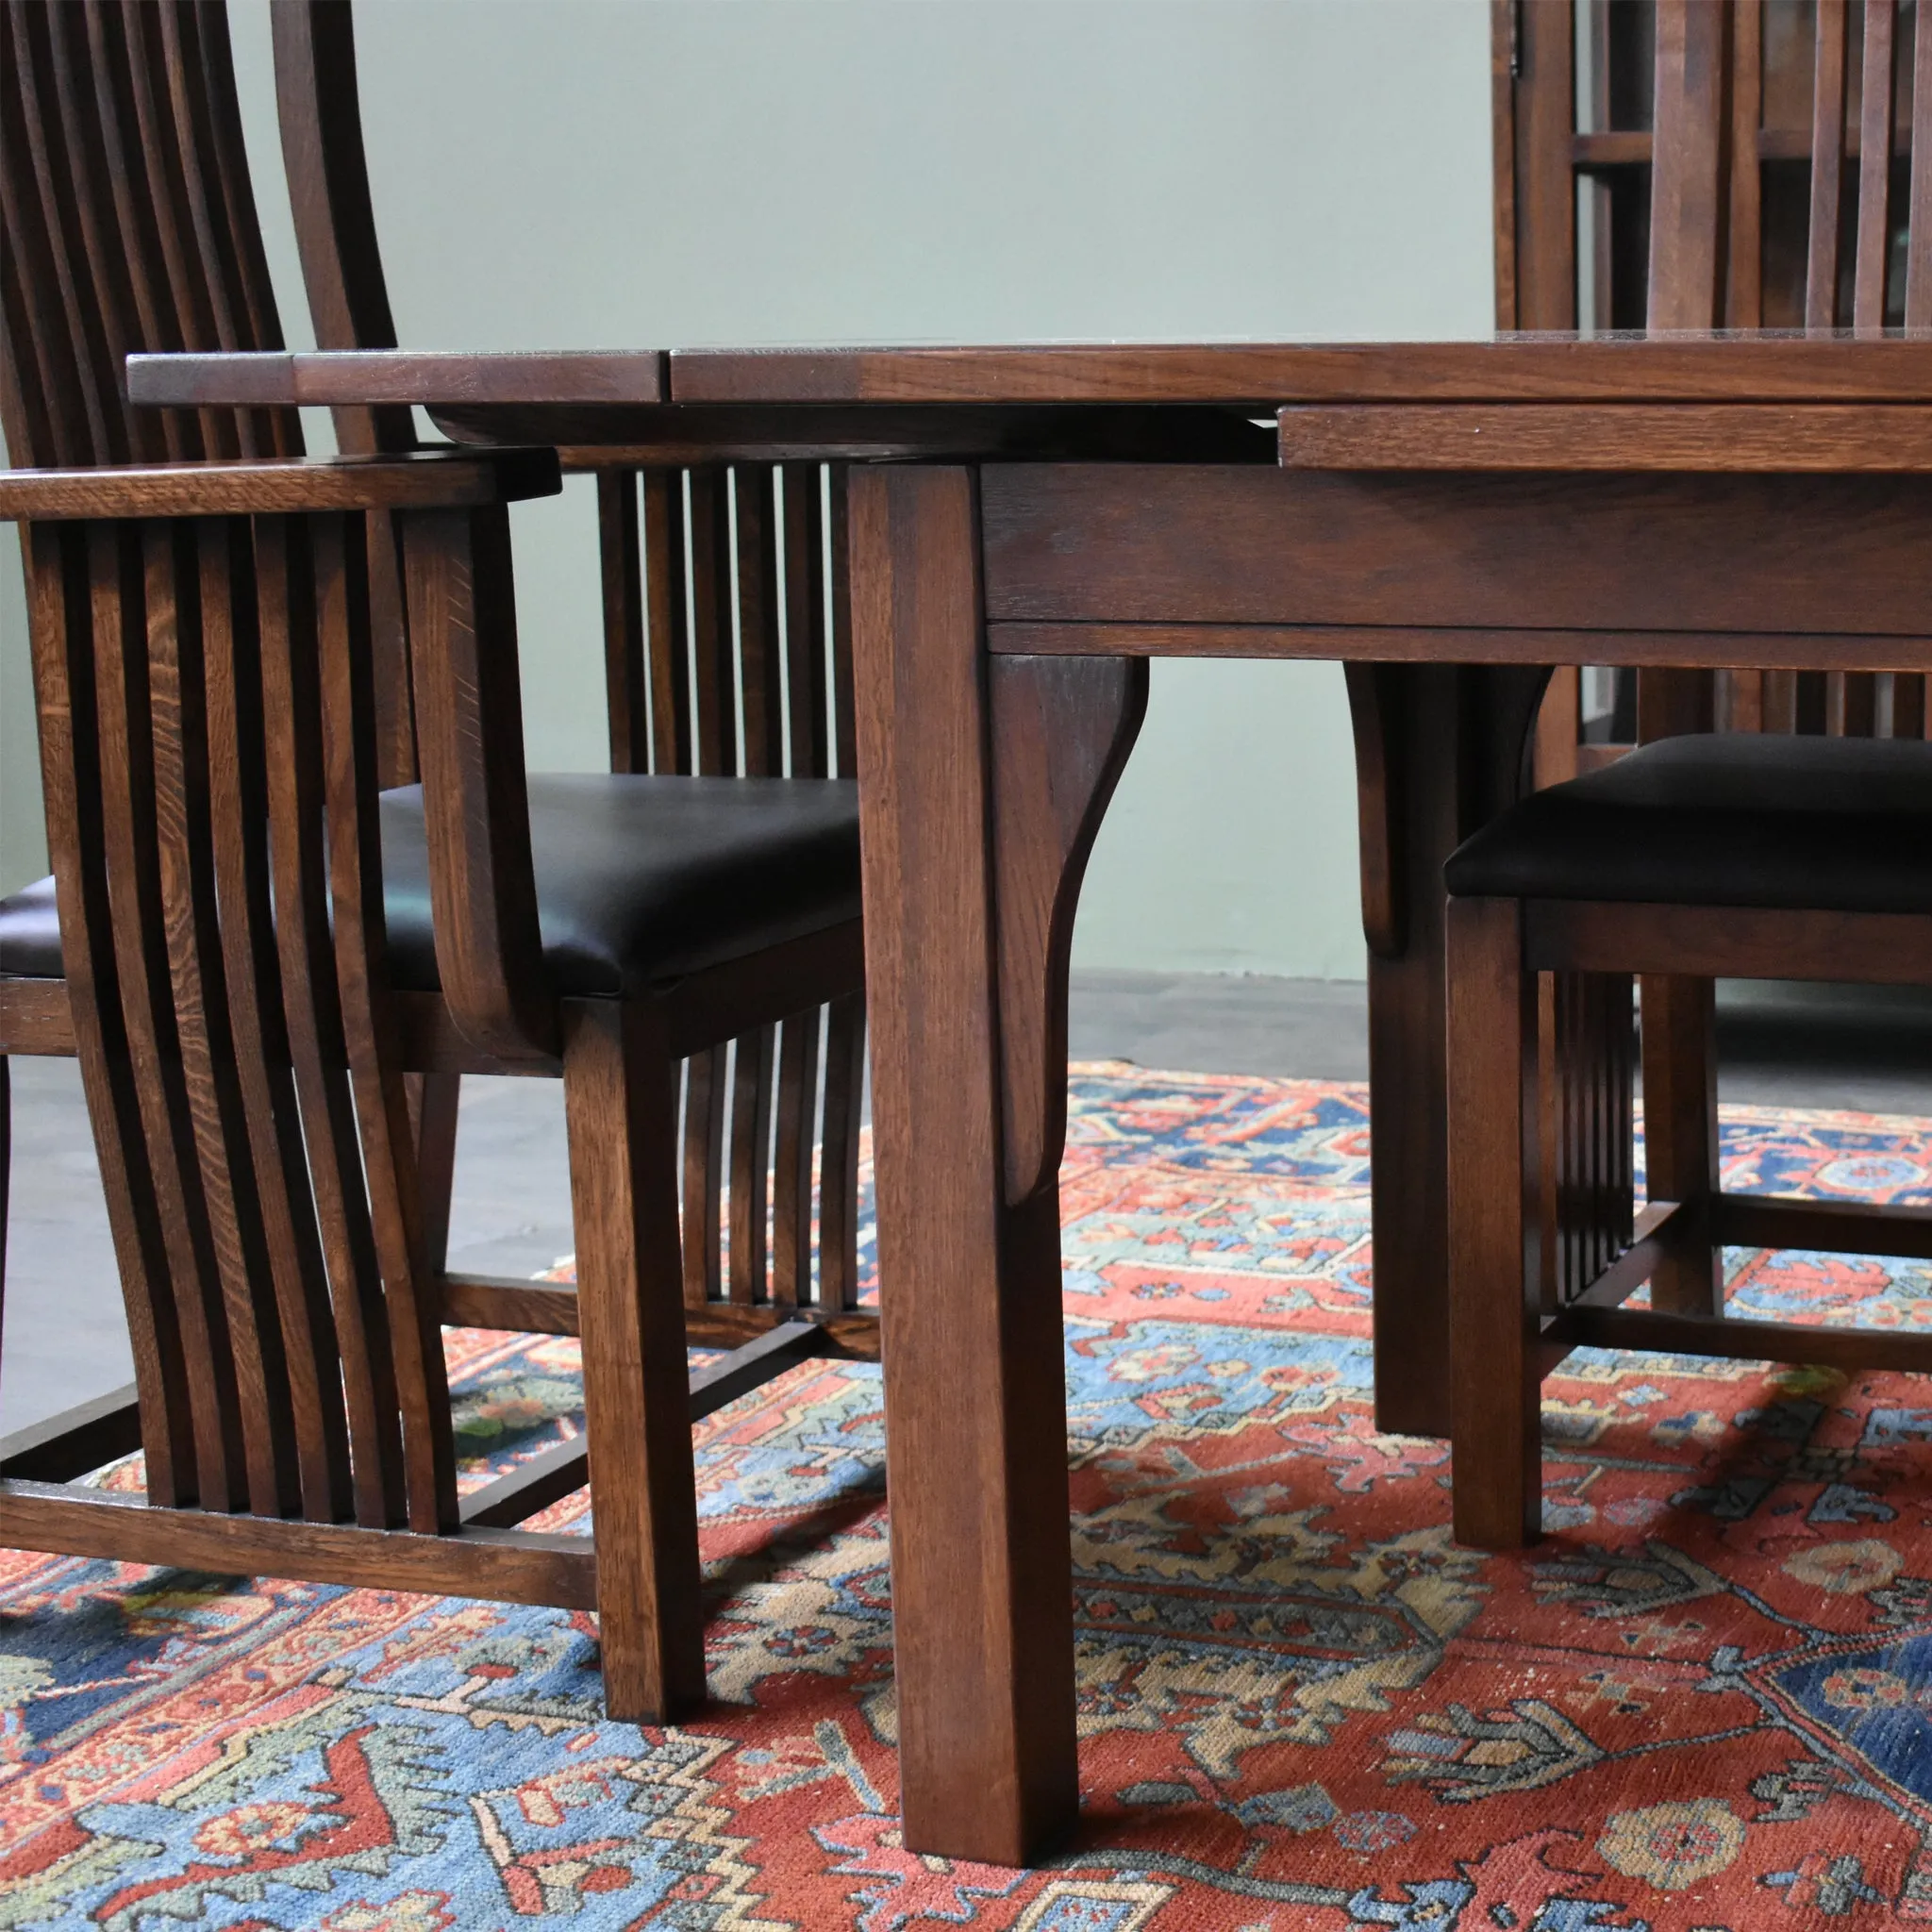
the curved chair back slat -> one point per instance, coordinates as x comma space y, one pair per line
220, 701
126, 224
209, 746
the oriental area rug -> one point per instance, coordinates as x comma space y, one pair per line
1703, 1701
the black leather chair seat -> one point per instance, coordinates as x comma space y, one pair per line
1831, 824
639, 879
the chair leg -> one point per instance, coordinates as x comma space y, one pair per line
433, 1109
620, 1107
1680, 1142
1495, 1243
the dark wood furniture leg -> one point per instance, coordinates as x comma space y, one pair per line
1494, 1365
1680, 1142
1439, 748
975, 1443
618, 1069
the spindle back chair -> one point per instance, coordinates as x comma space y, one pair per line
1543, 926
1699, 207
728, 651
205, 685
237, 897
726, 644
791, 1170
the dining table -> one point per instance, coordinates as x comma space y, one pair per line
1029, 525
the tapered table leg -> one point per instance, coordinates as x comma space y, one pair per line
976, 1399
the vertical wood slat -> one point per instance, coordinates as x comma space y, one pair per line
1503, 137
305, 947
190, 281
347, 684
238, 833
122, 587
190, 935
1688, 204
622, 557
129, 225
1743, 701
235, 273
49, 321
1851, 704
1873, 248
761, 715
846, 1031
59, 585
1745, 255
668, 640
92, 278
714, 738
127, 166
713, 753
157, 319
1827, 164
808, 757
276, 432
1545, 194
787, 686
1919, 244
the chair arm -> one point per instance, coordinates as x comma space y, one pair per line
430, 479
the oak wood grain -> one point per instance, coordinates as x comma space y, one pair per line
1190, 544
497, 1565
1061, 729
982, 1597
1696, 436
246, 489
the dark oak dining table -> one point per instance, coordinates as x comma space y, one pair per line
1028, 527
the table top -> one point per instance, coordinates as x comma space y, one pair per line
1758, 367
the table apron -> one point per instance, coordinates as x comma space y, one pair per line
1434, 645
1227, 560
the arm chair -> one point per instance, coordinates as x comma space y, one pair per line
1751, 854
263, 943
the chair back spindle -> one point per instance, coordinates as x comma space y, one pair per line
728, 653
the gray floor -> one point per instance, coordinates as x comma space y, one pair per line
65, 1340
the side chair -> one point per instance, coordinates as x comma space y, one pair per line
265, 948
683, 539
1701, 854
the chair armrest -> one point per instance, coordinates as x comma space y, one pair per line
430, 479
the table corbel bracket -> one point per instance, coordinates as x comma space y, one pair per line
1060, 729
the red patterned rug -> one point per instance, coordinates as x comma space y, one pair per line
1703, 1701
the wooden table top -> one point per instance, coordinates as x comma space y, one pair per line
1755, 367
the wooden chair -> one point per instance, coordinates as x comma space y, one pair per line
260, 942
1575, 109
755, 1222
687, 694
1751, 854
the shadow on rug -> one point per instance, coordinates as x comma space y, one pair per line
1703, 1701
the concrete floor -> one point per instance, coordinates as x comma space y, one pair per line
65, 1339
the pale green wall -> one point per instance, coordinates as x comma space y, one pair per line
583, 172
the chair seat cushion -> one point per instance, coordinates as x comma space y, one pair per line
1746, 818
30, 933
639, 879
